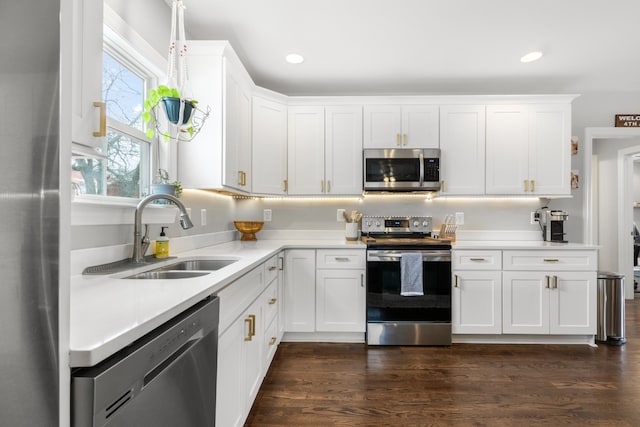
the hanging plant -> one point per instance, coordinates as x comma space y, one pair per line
182, 119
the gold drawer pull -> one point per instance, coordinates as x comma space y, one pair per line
551, 260
273, 267
272, 341
272, 301
477, 259
342, 259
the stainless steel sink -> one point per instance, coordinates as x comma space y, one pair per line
199, 264
161, 274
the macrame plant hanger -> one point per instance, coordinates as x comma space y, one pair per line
184, 117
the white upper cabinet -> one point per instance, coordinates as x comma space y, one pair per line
406, 126
219, 157
237, 127
325, 150
269, 147
528, 149
306, 150
89, 112
462, 145
343, 149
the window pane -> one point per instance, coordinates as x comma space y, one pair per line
123, 91
123, 167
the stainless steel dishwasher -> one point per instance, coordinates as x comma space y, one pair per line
166, 378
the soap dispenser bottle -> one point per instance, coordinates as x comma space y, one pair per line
162, 245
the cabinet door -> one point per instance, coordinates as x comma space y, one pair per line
477, 302
507, 149
306, 150
525, 303
382, 126
253, 337
462, 141
343, 149
299, 290
572, 303
87, 73
269, 147
550, 148
420, 126
230, 399
340, 301
236, 130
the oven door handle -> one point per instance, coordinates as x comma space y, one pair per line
395, 256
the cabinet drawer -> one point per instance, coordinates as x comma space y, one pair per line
235, 298
341, 258
568, 260
270, 343
270, 269
477, 260
271, 303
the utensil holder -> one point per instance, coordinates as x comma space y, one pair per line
351, 231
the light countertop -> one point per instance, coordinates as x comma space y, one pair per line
109, 312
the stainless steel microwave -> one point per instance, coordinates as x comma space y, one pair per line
401, 169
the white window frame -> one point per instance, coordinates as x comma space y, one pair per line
125, 44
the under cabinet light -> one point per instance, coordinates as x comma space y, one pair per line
531, 56
294, 58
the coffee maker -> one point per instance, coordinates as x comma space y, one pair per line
552, 224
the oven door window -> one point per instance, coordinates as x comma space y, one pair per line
390, 171
384, 302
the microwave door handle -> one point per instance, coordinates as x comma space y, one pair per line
421, 157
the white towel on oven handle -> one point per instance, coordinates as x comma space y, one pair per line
411, 283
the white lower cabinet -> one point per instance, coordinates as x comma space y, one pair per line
247, 341
524, 292
300, 290
325, 290
559, 303
477, 302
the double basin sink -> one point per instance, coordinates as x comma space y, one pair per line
184, 269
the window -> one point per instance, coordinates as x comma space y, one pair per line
126, 171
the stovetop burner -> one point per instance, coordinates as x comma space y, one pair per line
408, 232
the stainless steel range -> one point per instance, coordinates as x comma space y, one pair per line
408, 282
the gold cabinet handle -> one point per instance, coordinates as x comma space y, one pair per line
547, 280
526, 185
443, 186
362, 280
398, 139
249, 320
476, 259
328, 186
456, 283
239, 177
533, 185
281, 260
555, 282
551, 260
404, 137
272, 341
103, 118
272, 301
321, 186
253, 325
285, 186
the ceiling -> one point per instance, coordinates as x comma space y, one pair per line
371, 47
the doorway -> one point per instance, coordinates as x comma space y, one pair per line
609, 211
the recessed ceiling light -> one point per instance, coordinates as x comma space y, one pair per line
531, 56
294, 58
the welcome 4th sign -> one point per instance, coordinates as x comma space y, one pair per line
627, 120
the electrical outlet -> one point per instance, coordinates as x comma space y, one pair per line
532, 219
340, 215
459, 218
266, 215
203, 217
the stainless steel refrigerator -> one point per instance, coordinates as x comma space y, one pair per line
29, 212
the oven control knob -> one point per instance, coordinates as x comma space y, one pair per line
416, 223
425, 224
368, 223
377, 223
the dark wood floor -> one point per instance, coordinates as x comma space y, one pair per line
461, 385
